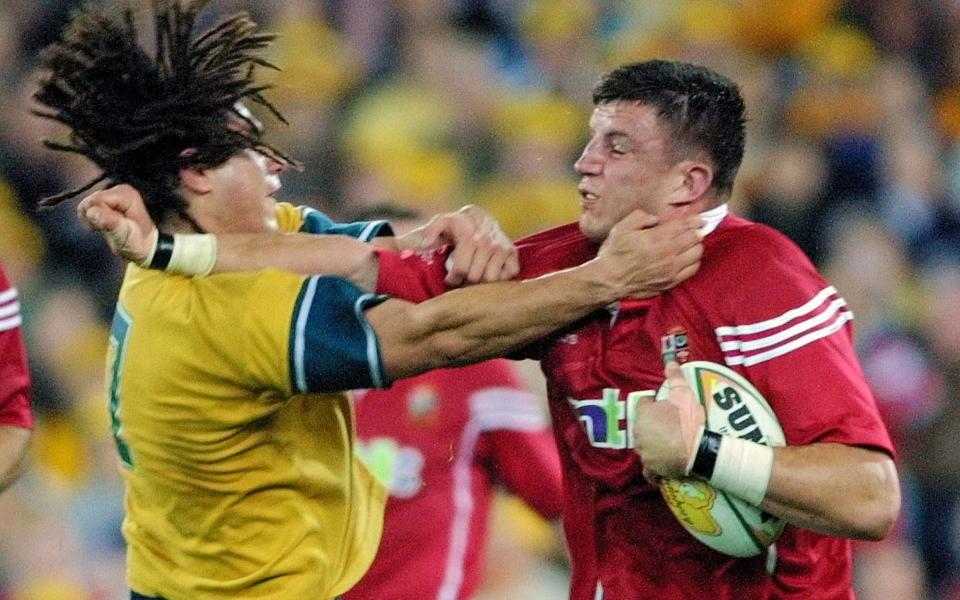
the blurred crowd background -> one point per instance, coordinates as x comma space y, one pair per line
853, 151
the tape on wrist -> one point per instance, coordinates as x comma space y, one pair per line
704, 460
159, 256
740, 467
192, 254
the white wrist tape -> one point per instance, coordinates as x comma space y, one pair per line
743, 469
193, 254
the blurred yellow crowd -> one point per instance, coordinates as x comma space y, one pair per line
853, 151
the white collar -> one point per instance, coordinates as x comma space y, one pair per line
712, 218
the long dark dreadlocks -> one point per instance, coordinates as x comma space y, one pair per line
134, 115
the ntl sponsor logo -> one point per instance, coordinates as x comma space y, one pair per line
609, 420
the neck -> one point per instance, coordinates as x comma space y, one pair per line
178, 224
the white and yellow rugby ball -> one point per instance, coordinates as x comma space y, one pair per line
722, 521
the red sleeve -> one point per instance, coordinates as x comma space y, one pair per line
517, 439
417, 276
790, 333
410, 275
14, 375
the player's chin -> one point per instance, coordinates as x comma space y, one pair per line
593, 228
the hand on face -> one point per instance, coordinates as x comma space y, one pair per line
653, 255
119, 214
665, 432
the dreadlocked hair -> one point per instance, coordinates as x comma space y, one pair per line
134, 115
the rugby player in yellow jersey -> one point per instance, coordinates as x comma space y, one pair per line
225, 392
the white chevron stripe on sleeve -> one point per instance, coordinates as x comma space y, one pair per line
812, 305
8, 310
10, 323
791, 332
836, 325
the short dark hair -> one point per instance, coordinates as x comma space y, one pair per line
703, 109
133, 114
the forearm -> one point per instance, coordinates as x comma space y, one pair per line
14, 442
300, 253
834, 489
390, 243
472, 324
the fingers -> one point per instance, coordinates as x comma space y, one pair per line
674, 373
100, 218
459, 263
484, 256
636, 220
481, 263
481, 250
680, 393
434, 234
103, 209
121, 216
511, 266
688, 271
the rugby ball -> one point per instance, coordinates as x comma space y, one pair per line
720, 520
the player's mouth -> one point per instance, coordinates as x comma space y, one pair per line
587, 198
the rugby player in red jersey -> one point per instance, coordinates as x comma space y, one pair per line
668, 137
16, 418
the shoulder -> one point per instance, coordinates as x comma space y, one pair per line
741, 251
737, 235
227, 297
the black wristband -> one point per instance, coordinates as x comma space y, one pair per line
163, 252
706, 459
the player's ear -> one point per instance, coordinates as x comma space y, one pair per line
196, 179
697, 179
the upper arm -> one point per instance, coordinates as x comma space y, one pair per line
332, 345
793, 340
310, 334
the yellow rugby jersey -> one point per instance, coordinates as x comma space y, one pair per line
240, 472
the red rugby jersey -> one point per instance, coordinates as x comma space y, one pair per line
757, 305
442, 441
14, 375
